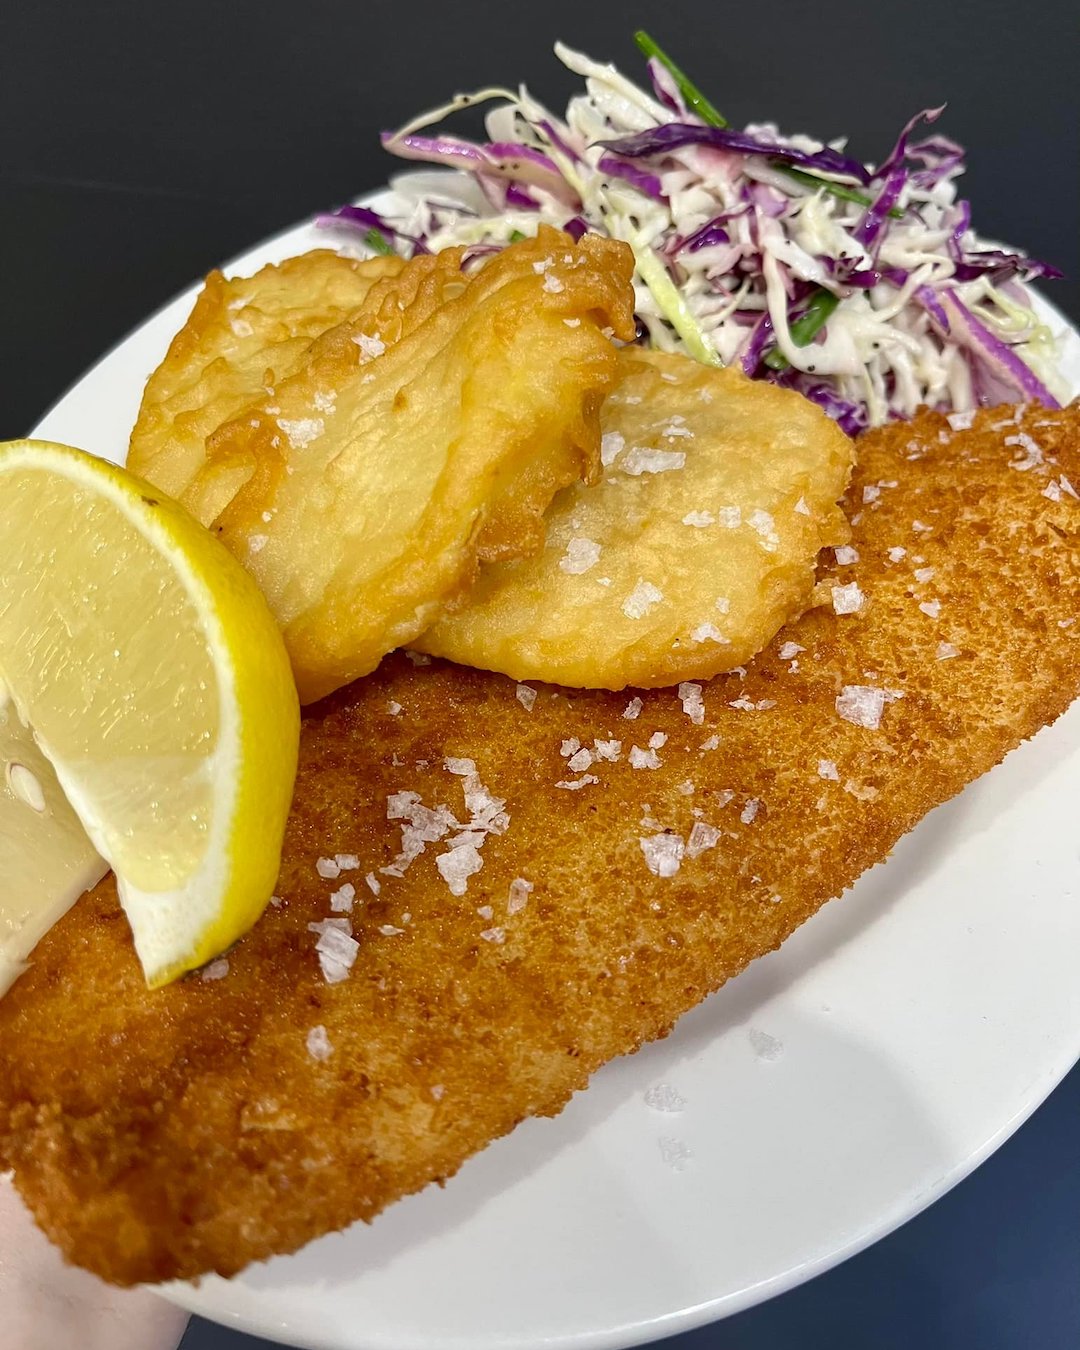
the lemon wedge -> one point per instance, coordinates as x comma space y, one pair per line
46, 859
157, 686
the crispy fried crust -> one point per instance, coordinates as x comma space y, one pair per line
243, 335
764, 457
164, 1134
363, 492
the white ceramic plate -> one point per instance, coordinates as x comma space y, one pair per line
829, 1093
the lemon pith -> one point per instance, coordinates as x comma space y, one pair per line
157, 685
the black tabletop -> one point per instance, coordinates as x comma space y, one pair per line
141, 144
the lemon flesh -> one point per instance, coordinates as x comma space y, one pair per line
46, 858
157, 685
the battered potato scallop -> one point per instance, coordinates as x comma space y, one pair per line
428, 432
243, 334
698, 544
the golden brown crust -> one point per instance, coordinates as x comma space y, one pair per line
164, 1134
243, 334
362, 492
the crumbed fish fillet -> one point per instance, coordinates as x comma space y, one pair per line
207, 1125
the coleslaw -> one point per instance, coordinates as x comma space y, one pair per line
862, 287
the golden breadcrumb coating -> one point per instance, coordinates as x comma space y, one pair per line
209, 1124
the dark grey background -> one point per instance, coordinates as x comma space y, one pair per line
140, 144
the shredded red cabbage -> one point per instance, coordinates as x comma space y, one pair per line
674, 135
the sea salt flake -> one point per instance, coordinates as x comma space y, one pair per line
324, 403
257, 542
639, 460
485, 911
520, 890
216, 970
543, 265
931, 608
686, 787
328, 868
318, 1043
633, 709
762, 523
663, 1097
1052, 490
342, 899
608, 750
526, 696
848, 599
417, 658
389, 930
552, 284
712, 743
347, 862
462, 768
494, 935
374, 885
457, 865
643, 759
580, 760
699, 519
861, 704
845, 555
1066, 486
641, 599
750, 811
960, 421
708, 632
337, 947
1033, 454
570, 746
946, 651
576, 784
333, 971
331, 925
370, 346
870, 493
581, 554
302, 430
663, 853
923, 575
897, 553
920, 528
723, 604
702, 837
692, 703
572, 323
393, 708
657, 740
612, 444
827, 769
801, 507
730, 517
789, 650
